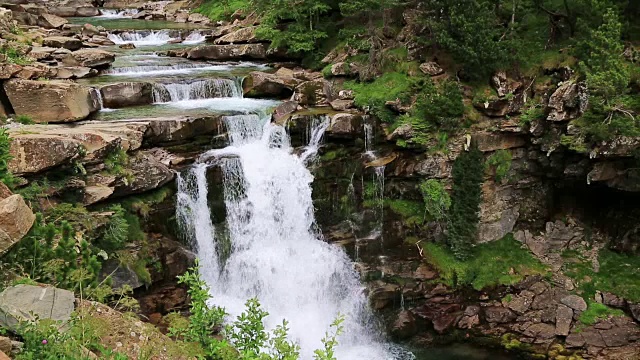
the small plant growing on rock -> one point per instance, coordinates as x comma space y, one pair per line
499, 163
436, 198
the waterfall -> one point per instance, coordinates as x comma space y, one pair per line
275, 253
315, 133
204, 89
155, 70
146, 38
194, 38
368, 139
117, 14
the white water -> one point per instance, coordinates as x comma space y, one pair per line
175, 69
151, 38
315, 134
243, 105
117, 14
194, 38
203, 89
276, 255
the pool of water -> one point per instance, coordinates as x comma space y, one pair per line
131, 24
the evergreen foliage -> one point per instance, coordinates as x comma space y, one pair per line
5, 156
462, 226
436, 198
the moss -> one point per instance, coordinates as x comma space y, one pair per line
502, 262
217, 10
411, 211
596, 311
618, 274
388, 87
499, 163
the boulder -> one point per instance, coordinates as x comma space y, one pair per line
568, 102
342, 105
75, 72
96, 193
575, 302
62, 42
345, 125
121, 274
314, 92
8, 71
5, 345
126, 94
87, 11
16, 219
498, 314
431, 68
564, 317
147, 173
93, 58
90, 30
28, 302
228, 52
198, 18
32, 153
51, 101
261, 84
344, 69
283, 111
63, 11
241, 36
51, 21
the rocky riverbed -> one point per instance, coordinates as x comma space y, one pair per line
160, 90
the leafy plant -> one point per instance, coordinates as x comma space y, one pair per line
436, 198
5, 157
500, 163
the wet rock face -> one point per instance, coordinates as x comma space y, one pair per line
261, 84
51, 101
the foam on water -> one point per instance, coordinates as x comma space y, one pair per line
194, 38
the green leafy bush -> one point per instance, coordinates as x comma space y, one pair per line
217, 10
436, 198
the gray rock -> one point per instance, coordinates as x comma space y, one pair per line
431, 68
228, 52
345, 125
521, 302
498, 314
121, 274
568, 102
62, 42
564, 317
124, 94
22, 302
575, 302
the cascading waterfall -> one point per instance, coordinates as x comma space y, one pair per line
147, 38
194, 38
378, 176
175, 69
203, 89
275, 253
315, 134
117, 14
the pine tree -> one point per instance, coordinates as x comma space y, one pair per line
462, 226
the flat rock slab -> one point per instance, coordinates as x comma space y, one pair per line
22, 302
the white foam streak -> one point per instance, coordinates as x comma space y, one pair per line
203, 89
